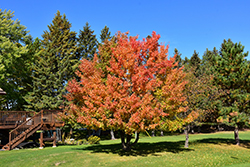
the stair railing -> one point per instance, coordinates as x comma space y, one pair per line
32, 121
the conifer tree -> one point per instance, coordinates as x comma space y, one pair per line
232, 74
105, 34
186, 63
195, 62
178, 58
87, 43
207, 62
54, 65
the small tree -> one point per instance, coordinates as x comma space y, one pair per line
127, 100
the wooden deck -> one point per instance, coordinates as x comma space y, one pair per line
23, 124
11, 119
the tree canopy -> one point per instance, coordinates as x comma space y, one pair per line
129, 100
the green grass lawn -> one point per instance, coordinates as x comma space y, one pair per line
214, 149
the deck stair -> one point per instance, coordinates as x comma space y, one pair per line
30, 126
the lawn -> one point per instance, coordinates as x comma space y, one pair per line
215, 149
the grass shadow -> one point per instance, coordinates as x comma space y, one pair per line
140, 149
219, 141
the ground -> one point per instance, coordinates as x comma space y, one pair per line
216, 149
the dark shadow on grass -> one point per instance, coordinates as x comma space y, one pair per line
140, 149
219, 141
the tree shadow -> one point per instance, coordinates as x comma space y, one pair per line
220, 141
140, 149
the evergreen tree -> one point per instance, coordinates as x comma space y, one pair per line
178, 58
195, 60
186, 62
14, 61
232, 74
105, 34
207, 62
54, 65
87, 43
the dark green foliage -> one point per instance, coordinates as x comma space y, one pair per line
178, 58
195, 62
54, 65
87, 43
105, 34
232, 74
207, 62
186, 64
15, 60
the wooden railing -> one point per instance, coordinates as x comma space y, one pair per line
14, 117
31, 125
23, 129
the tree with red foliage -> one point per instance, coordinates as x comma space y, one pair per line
142, 90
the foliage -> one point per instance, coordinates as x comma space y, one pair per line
125, 100
195, 63
94, 139
232, 73
15, 60
87, 43
178, 58
105, 34
54, 65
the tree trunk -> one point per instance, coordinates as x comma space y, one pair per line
112, 135
126, 144
186, 134
236, 135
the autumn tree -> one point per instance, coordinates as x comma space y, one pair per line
135, 96
232, 74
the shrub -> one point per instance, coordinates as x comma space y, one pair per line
94, 139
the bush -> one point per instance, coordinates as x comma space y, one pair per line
94, 139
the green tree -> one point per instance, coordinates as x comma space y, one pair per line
14, 61
105, 34
178, 58
54, 65
195, 62
87, 43
232, 74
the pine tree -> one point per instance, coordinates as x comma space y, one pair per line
105, 34
232, 74
54, 65
195, 60
207, 62
178, 58
87, 43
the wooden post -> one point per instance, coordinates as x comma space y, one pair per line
9, 141
42, 116
41, 140
54, 141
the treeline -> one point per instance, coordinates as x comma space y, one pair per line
35, 73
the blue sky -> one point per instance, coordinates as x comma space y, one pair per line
185, 25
